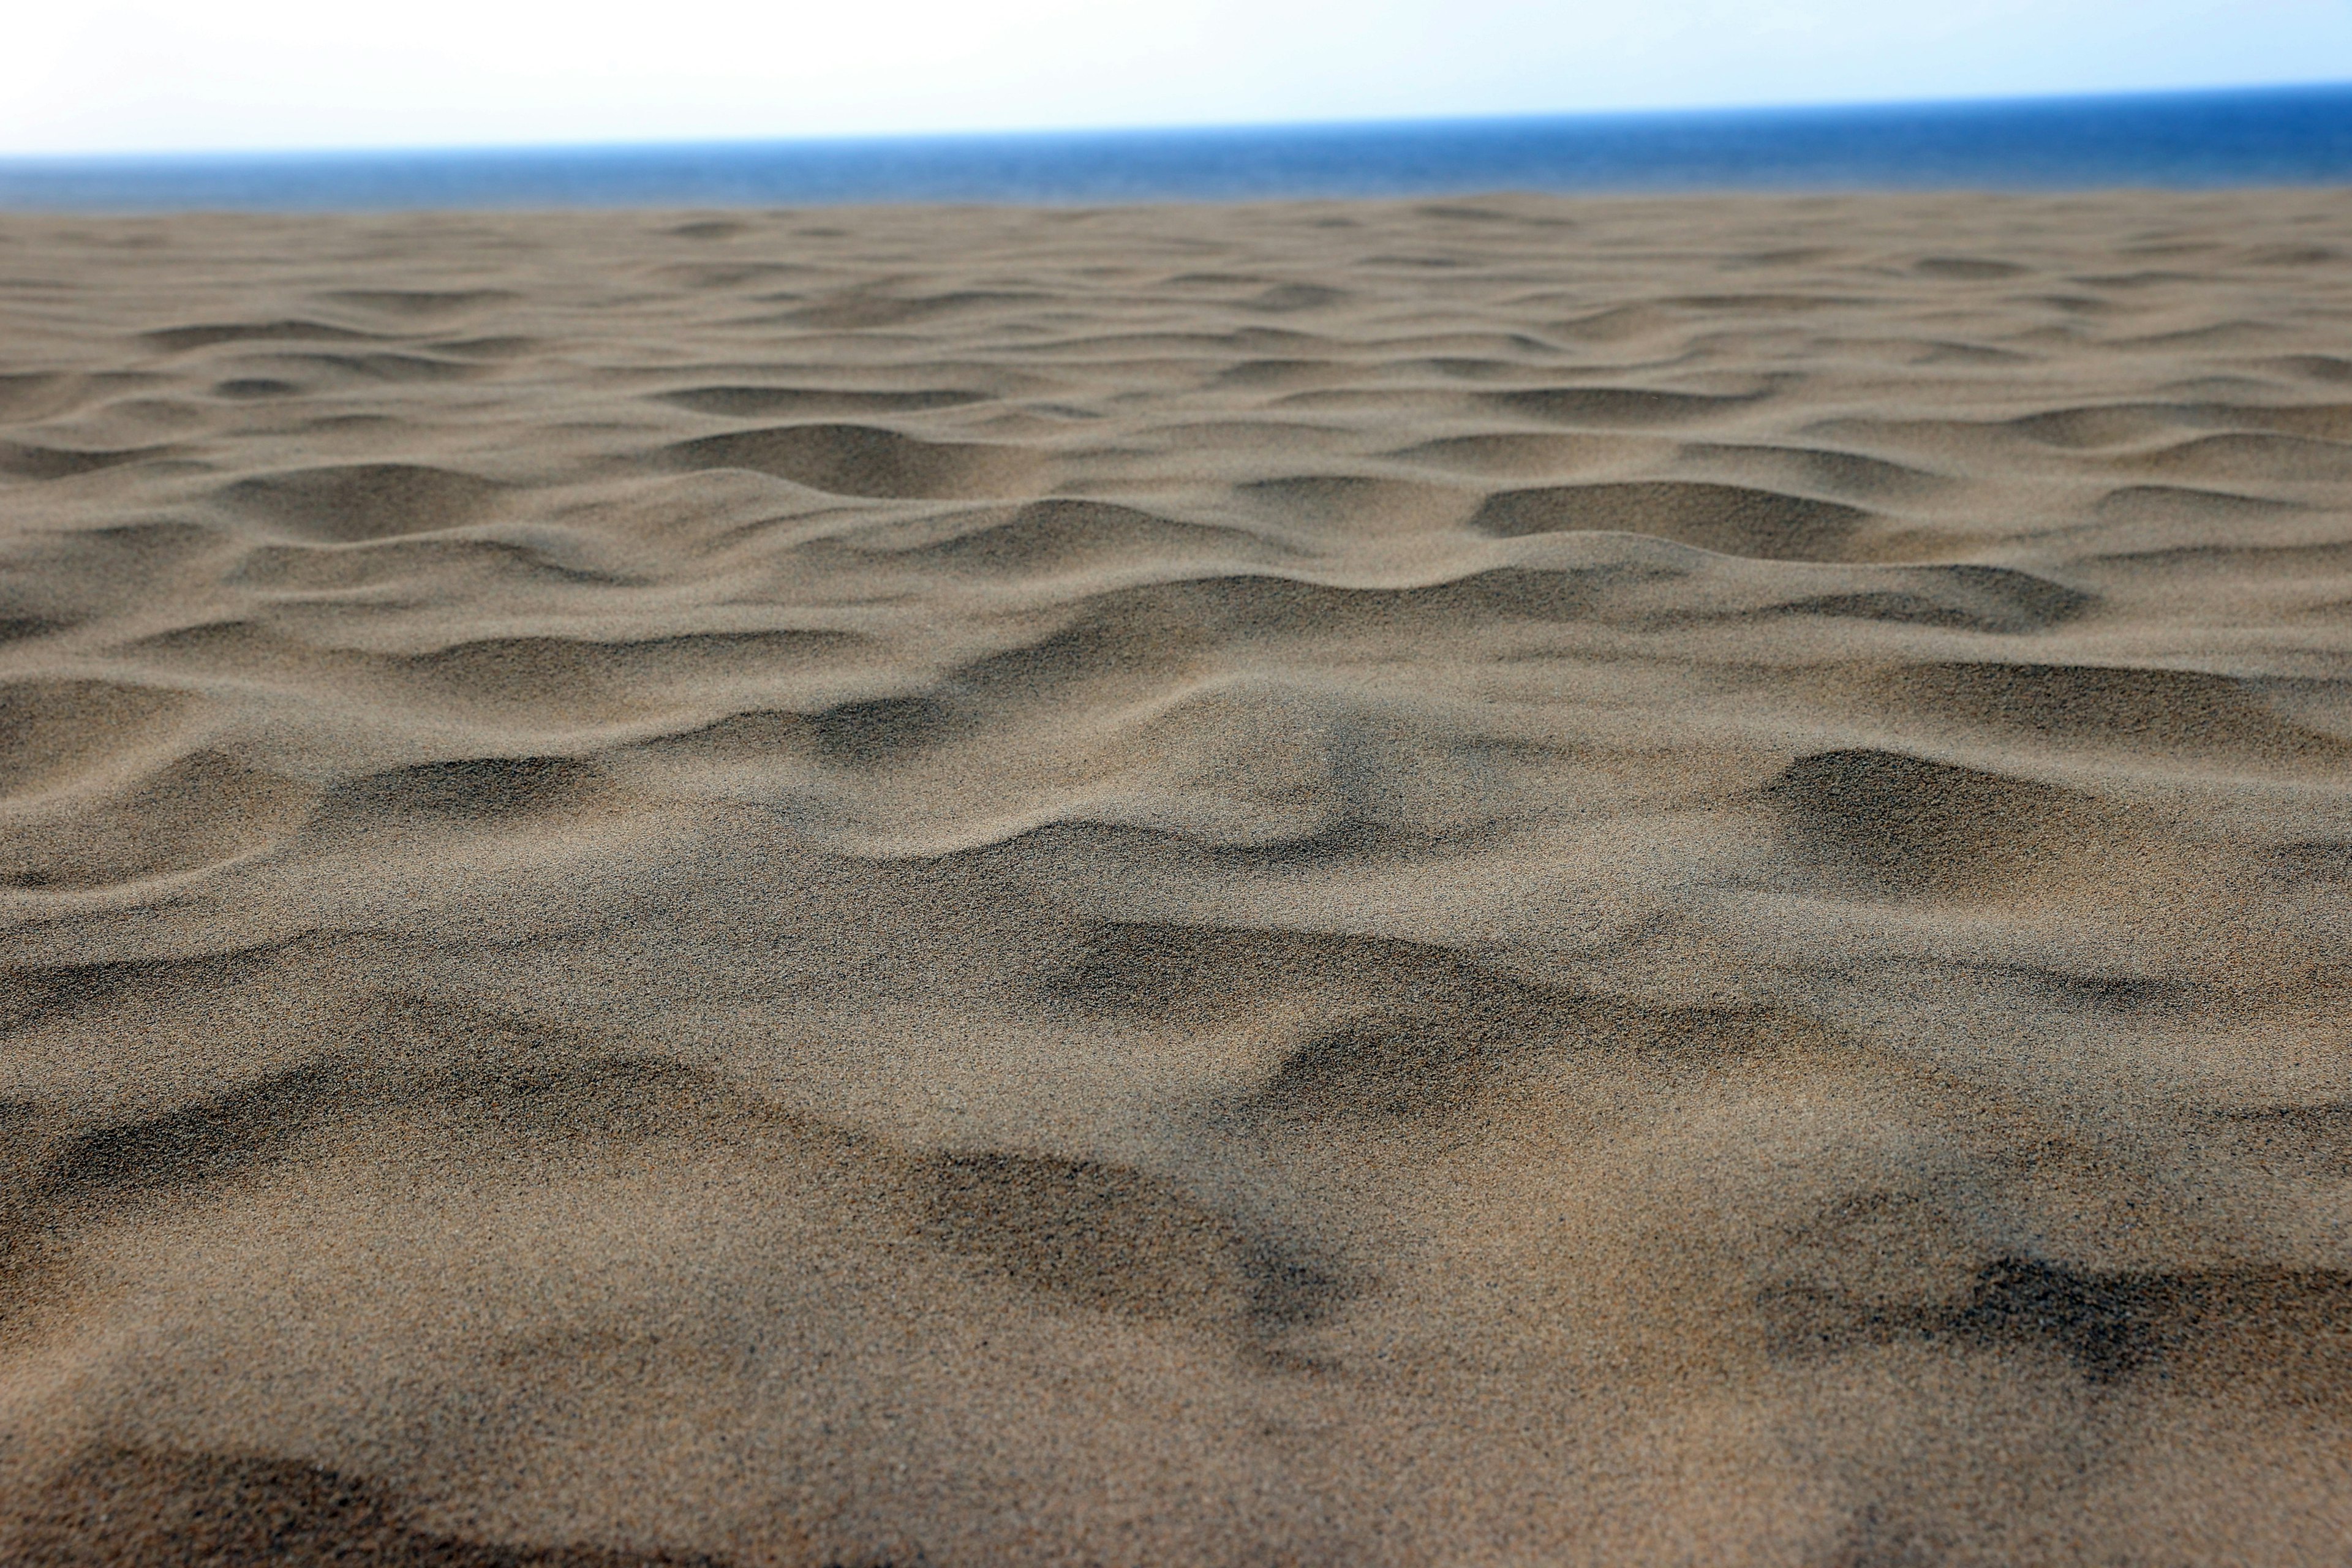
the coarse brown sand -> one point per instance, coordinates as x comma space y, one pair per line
1508, 883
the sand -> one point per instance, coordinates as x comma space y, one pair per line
1506, 883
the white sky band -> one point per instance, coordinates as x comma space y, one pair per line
164, 75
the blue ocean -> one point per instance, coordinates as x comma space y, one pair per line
2279, 136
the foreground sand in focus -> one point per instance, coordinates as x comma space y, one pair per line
1500, 882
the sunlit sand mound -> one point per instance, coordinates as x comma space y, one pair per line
1517, 882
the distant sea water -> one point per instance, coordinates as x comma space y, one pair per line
2276, 136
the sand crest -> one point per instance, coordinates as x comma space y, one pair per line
1510, 882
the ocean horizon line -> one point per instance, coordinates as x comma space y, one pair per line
2298, 134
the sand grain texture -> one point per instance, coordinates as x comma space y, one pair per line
1517, 881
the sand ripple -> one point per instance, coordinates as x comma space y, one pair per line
1499, 882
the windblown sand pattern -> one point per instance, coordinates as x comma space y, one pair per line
1499, 883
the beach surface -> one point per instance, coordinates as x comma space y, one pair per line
1511, 881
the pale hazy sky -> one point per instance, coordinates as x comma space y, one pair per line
135, 75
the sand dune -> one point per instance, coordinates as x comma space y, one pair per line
1515, 881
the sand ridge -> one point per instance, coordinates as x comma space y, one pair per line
1512, 880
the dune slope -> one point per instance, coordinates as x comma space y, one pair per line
1508, 881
